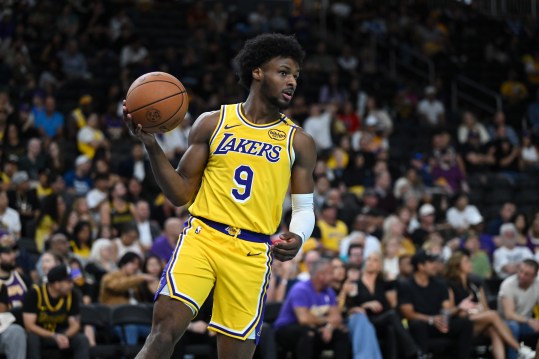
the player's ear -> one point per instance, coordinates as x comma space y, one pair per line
257, 73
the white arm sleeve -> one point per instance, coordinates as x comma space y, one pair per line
302, 222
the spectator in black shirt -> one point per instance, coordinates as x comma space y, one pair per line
51, 316
507, 158
421, 301
378, 298
468, 294
478, 158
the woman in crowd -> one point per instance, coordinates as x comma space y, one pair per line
100, 263
377, 299
478, 257
146, 292
470, 297
362, 332
81, 242
45, 263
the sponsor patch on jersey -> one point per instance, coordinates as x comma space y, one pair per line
277, 134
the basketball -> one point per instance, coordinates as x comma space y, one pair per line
158, 101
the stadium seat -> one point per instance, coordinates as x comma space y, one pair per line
29, 244
125, 314
98, 316
527, 196
272, 311
498, 196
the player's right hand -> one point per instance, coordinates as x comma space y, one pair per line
136, 130
287, 246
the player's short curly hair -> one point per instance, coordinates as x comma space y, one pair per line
263, 48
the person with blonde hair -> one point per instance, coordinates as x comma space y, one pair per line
100, 261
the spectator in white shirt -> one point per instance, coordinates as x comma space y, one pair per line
469, 125
98, 195
318, 125
133, 53
508, 256
174, 143
517, 298
148, 230
90, 137
529, 155
463, 215
430, 109
9, 218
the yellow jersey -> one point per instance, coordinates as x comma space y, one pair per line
331, 236
248, 172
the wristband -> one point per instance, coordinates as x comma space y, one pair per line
431, 320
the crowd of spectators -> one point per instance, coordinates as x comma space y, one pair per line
404, 185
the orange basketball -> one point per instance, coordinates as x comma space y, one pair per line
158, 101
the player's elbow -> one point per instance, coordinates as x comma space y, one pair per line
177, 201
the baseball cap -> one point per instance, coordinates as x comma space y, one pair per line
423, 256
12, 158
59, 273
19, 177
369, 192
82, 159
371, 121
426, 209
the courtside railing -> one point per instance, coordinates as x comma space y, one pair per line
468, 93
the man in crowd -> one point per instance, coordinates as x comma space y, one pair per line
9, 218
517, 298
310, 318
424, 302
508, 257
12, 336
15, 284
164, 245
51, 316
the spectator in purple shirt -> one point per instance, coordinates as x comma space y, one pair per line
164, 245
310, 319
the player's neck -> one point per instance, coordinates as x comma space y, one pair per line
258, 111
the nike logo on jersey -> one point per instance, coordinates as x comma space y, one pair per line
253, 254
228, 127
249, 147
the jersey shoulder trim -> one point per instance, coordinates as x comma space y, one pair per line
219, 124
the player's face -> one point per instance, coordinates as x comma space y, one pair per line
279, 81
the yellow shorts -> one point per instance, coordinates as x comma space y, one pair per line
236, 262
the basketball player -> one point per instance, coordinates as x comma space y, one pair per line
235, 173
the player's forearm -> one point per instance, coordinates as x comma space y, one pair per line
166, 176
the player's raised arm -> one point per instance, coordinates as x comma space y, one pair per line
179, 185
302, 184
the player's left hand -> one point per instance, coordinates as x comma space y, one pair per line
287, 246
